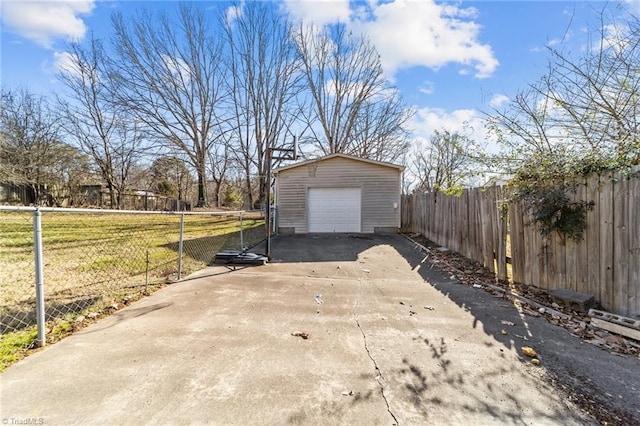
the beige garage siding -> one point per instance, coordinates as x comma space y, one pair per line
379, 183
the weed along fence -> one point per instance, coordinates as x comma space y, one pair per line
605, 264
62, 265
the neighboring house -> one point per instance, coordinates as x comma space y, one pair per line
16, 194
338, 193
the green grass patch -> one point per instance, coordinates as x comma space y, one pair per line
15, 346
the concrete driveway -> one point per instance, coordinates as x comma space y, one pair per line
382, 346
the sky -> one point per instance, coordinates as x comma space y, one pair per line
451, 61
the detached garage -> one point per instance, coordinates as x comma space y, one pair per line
338, 193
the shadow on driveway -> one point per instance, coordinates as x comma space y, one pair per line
591, 375
322, 247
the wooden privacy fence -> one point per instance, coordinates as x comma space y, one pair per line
605, 264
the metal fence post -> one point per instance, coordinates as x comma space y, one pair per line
241, 235
180, 245
37, 248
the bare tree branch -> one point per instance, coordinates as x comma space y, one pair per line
101, 128
349, 95
264, 80
168, 73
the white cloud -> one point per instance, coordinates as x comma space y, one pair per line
234, 12
427, 87
468, 122
177, 67
614, 37
427, 120
64, 62
498, 100
319, 12
44, 21
59, 63
428, 34
409, 34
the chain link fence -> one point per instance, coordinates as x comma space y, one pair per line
94, 260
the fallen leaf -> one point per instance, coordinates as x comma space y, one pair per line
616, 340
529, 351
304, 335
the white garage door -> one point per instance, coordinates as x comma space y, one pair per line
334, 209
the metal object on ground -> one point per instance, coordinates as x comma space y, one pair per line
237, 257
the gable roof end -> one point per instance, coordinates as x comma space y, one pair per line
338, 155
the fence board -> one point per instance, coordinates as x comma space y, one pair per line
571, 254
634, 244
582, 251
432, 203
542, 257
606, 242
447, 211
556, 268
493, 209
605, 264
532, 254
501, 238
516, 241
473, 237
485, 220
552, 263
592, 237
464, 231
621, 246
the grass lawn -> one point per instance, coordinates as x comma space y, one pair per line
97, 260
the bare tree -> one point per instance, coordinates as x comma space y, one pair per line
70, 170
380, 129
352, 108
101, 128
29, 141
443, 164
170, 176
220, 162
525, 129
599, 94
167, 73
264, 80
585, 107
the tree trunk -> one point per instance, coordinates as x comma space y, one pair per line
202, 187
249, 191
262, 197
113, 201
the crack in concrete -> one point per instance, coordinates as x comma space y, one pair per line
379, 376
